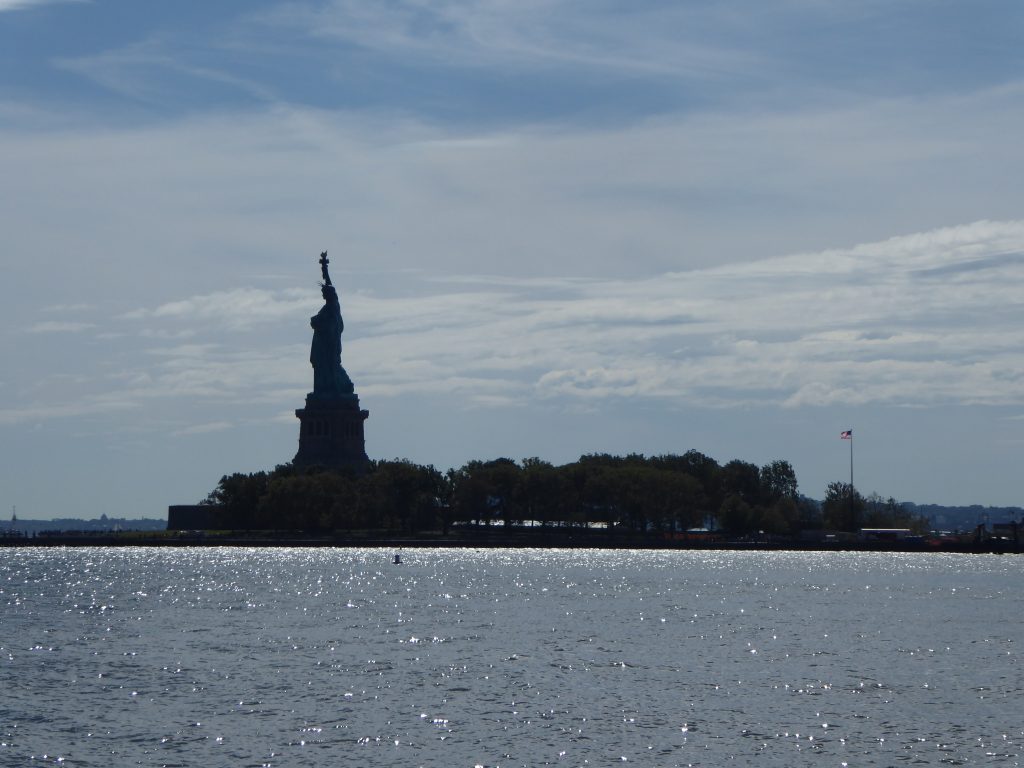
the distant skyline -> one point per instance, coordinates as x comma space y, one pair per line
555, 228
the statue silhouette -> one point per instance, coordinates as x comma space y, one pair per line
329, 377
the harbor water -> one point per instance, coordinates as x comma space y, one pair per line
459, 657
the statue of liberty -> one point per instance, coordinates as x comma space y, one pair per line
329, 377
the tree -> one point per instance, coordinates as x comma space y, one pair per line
237, 496
402, 495
778, 481
780, 518
311, 501
604, 488
889, 513
680, 499
808, 514
703, 469
572, 481
843, 508
487, 490
742, 479
540, 491
735, 515
504, 478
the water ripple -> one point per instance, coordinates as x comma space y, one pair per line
225, 657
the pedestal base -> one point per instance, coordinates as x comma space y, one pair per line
331, 433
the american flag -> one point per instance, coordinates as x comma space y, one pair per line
846, 434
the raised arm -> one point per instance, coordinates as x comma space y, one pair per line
323, 268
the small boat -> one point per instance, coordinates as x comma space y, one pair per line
398, 559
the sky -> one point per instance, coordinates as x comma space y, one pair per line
556, 227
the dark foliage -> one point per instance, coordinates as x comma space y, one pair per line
659, 494
634, 493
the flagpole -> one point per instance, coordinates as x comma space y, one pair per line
853, 520
851, 463
847, 434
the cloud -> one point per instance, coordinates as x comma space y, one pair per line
149, 71
236, 309
21, 5
525, 34
57, 326
887, 323
578, 265
241, 193
927, 319
850, 326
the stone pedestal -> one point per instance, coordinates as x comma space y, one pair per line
331, 433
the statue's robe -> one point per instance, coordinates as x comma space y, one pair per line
329, 377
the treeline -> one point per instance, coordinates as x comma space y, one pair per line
845, 509
636, 492
633, 493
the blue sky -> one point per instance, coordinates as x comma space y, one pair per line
557, 228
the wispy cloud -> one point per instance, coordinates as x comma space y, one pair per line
236, 309
528, 34
20, 5
660, 194
839, 327
141, 72
58, 326
898, 322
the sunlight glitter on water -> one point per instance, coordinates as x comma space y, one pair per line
228, 656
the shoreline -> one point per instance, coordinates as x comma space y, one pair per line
557, 541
